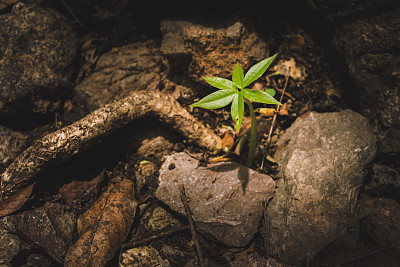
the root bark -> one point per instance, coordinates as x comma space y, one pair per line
70, 140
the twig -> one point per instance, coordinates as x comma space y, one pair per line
137, 243
91, 129
277, 109
365, 257
191, 223
266, 245
72, 13
283, 92
286, 93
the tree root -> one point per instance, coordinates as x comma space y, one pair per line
79, 136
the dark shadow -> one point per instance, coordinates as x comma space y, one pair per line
243, 172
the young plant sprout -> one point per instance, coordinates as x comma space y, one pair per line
235, 92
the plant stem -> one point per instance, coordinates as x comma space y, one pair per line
253, 135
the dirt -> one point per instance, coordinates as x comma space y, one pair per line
139, 149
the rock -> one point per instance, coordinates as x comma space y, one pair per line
136, 66
225, 198
381, 222
37, 52
367, 49
49, 226
159, 219
9, 242
254, 260
142, 256
322, 159
385, 182
11, 144
205, 51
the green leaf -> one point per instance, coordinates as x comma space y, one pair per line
220, 83
259, 96
238, 76
237, 109
218, 99
271, 92
257, 70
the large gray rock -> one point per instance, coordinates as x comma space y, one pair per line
225, 198
37, 52
322, 159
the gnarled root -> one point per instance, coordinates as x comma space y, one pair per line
80, 135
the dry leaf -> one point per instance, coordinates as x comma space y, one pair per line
104, 227
227, 141
266, 111
224, 158
290, 68
76, 189
15, 201
283, 111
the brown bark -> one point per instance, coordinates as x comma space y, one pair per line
80, 135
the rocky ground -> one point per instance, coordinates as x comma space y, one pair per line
100, 151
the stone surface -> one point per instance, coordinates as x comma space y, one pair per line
381, 221
225, 198
384, 182
37, 52
367, 49
10, 244
254, 260
50, 227
322, 158
11, 144
200, 51
136, 66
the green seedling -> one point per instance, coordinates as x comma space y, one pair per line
235, 92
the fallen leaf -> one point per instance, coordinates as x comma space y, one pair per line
270, 159
15, 201
77, 189
227, 141
104, 227
283, 111
224, 158
290, 68
266, 111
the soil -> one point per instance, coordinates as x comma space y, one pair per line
139, 149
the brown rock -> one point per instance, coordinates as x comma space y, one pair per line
207, 51
367, 49
38, 49
133, 67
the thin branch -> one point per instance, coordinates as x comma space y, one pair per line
162, 234
191, 223
277, 109
367, 256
